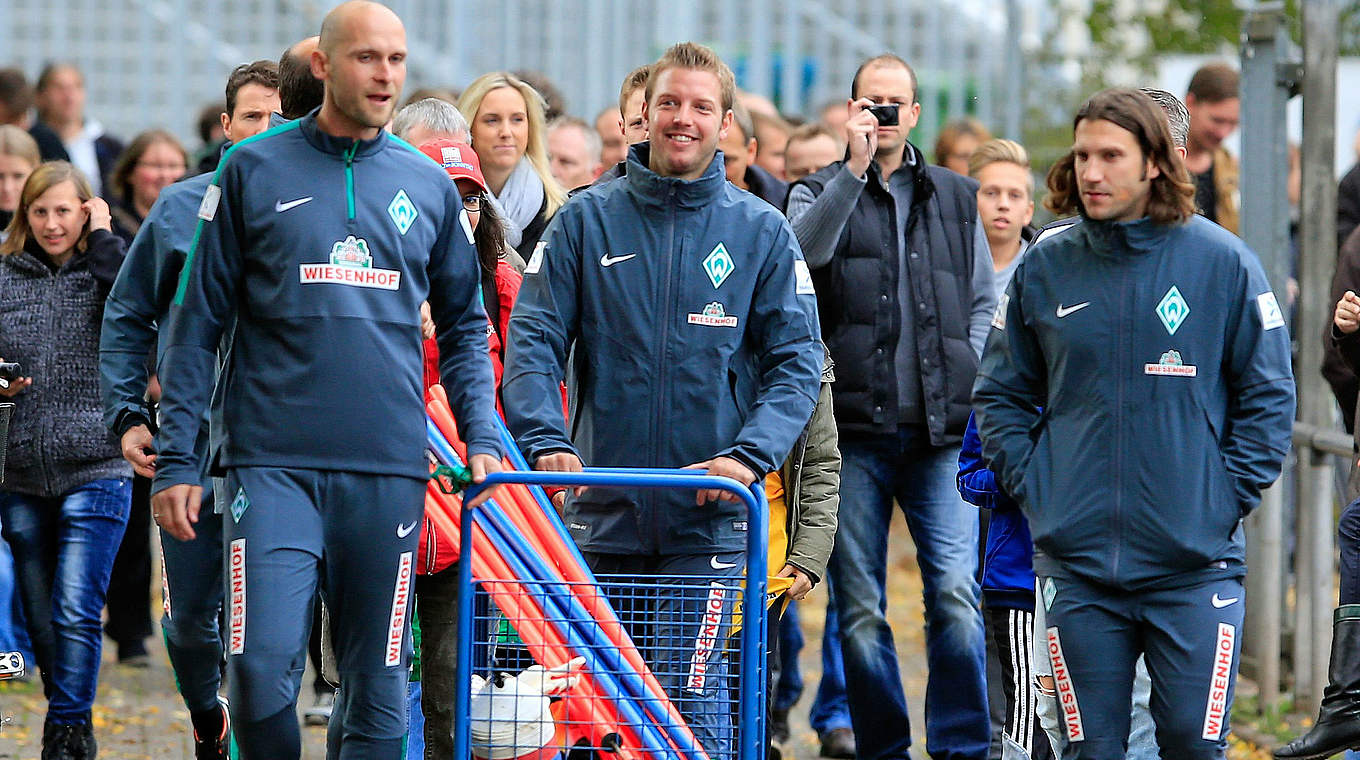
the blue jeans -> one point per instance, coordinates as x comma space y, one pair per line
789, 686
13, 630
415, 723
830, 707
63, 554
921, 477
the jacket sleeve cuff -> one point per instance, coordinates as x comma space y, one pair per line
129, 419
170, 475
751, 464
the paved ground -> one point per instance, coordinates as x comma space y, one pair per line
138, 714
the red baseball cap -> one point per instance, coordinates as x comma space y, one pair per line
458, 159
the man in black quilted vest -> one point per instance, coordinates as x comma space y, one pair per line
904, 287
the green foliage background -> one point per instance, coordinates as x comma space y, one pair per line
1172, 27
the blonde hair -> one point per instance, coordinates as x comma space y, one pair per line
690, 55
1000, 151
44, 178
537, 149
20, 144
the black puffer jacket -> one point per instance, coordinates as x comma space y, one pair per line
49, 322
858, 302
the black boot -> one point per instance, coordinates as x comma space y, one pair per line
1338, 723
73, 741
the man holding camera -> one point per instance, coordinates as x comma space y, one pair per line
904, 286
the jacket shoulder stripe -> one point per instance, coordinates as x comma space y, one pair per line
217, 178
393, 138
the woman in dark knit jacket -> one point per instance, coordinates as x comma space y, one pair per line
65, 498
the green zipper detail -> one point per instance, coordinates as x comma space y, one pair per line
349, 179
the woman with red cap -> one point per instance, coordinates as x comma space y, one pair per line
437, 583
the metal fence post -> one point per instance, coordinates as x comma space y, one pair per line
1317, 243
1265, 228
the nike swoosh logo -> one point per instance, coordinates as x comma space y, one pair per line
607, 261
716, 565
1220, 602
281, 207
405, 530
1065, 310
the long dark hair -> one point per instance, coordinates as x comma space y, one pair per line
1172, 196
489, 237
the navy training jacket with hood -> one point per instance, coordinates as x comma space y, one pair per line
1161, 361
323, 249
694, 328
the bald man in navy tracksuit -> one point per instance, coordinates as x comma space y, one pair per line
322, 237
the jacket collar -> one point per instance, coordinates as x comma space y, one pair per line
33, 260
338, 146
650, 186
1138, 236
914, 163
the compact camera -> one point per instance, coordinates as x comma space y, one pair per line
886, 114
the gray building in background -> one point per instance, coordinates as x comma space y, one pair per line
157, 62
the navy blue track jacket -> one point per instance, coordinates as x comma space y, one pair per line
323, 248
694, 327
1161, 361
140, 298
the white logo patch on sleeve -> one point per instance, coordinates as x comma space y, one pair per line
237, 569
208, 208
1216, 710
396, 622
1067, 694
1271, 317
536, 260
999, 316
804, 275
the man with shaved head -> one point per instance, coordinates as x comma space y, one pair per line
299, 91
321, 238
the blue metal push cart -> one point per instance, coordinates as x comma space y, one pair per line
715, 673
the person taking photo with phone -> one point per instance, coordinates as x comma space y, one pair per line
905, 323
67, 491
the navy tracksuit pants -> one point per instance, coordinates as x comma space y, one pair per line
355, 535
1191, 636
191, 600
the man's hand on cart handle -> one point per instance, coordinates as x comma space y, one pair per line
175, 509
560, 461
481, 464
725, 467
802, 584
